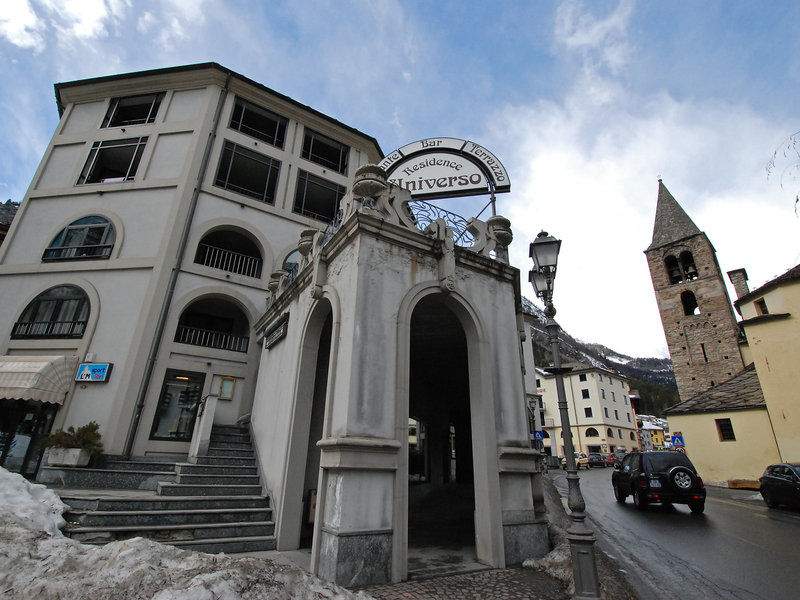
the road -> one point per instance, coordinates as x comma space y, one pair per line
738, 549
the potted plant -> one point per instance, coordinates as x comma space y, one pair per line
73, 448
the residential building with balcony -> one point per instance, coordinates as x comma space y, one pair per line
602, 418
162, 204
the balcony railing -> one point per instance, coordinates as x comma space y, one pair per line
48, 329
211, 339
228, 260
74, 252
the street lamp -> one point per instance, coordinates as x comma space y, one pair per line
544, 252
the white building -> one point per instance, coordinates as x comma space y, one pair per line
194, 229
601, 416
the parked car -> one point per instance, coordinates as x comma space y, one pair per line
664, 477
581, 460
780, 484
609, 459
596, 460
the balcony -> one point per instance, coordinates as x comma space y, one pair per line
211, 339
228, 260
48, 329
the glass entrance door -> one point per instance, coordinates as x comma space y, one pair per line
23, 425
177, 406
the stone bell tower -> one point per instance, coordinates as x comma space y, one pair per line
699, 324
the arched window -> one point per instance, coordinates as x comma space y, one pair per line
673, 269
87, 238
60, 312
687, 266
689, 302
214, 323
609, 433
231, 251
291, 263
592, 432
545, 435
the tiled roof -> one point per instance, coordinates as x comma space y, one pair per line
7, 212
792, 274
672, 223
741, 391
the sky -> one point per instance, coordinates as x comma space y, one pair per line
587, 105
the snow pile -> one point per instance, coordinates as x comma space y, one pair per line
30, 505
50, 567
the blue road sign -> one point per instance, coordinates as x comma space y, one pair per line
677, 440
538, 435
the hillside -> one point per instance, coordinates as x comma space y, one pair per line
653, 377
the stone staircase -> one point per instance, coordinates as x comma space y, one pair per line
214, 505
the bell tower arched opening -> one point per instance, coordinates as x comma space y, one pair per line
441, 493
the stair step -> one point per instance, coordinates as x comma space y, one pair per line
226, 460
145, 518
181, 532
232, 452
243, 438
218, 445
229, 545
235, 429
168, 503
187, 468
179, 489
139, 465
102, 478
216, 479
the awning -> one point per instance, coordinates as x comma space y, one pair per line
42, 378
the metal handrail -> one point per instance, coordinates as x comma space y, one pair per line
48, 329
209, 338
228, 260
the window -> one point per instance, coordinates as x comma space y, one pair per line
605, 411
538, 383
229, 250
629, 417
603, 394
673, 269
616, 414
609, 433
177, 406
761, 307
259, 123
587, 412
133, 110
600, 376
633, 436
613, 397
687, 266
625, 398
86, 238
249, 173
725, 430
592, 432
582, 377
619, 433
214, 323
325, 151
291, 263
316, 197
60, 312
113, 161
610, 381
585, 394
689, 302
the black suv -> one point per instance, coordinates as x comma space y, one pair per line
665, 477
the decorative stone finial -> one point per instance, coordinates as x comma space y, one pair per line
370, 181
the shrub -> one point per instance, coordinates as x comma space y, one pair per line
86, 437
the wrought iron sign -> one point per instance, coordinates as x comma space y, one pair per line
446, 168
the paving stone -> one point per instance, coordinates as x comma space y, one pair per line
493, 584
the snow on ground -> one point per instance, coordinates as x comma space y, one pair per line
37, 561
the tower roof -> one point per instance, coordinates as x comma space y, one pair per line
672, 223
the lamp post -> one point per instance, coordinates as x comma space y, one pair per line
544, 252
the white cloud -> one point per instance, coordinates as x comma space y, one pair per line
604, 39
20, 25
585, 168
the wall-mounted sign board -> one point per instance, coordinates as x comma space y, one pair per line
446, 168
277, 332
93, 372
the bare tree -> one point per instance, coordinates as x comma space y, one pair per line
785, 164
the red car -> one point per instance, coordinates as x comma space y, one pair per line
609, 459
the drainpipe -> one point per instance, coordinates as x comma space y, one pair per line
173, 278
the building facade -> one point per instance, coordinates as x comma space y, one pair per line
162, 204
601, 415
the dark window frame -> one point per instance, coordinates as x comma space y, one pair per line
54, 301
95, 161
725, 430
113, 119
585, 394
184, 418
63, 248
304, 179
242, 121
587, 412
233, 153
314, 142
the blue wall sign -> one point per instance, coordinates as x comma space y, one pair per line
93, 372
538, 435
677, 440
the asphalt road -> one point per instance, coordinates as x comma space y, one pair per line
738, 549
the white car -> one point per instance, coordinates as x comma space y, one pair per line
581, 460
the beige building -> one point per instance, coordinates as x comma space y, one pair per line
601, 416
